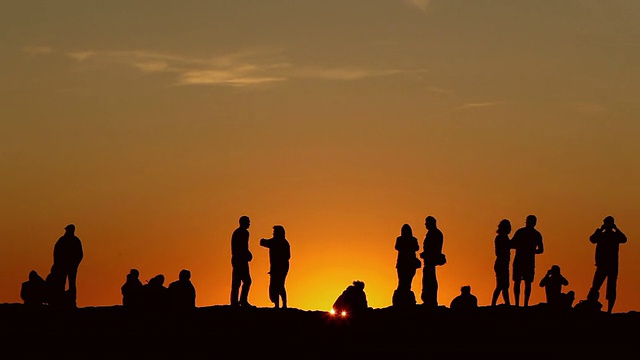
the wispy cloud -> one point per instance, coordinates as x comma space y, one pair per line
37, 50
438, 90
422, 5
588, 107
345, 73
482, 104
248, 68
238, 69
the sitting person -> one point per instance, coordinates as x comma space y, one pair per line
33, 291
132, 290
182, 293
464, 302
590, 304
155, 295
352, 301
552, 283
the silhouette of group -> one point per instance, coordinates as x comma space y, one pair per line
180, 295
59, 288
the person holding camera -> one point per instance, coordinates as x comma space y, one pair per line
552, 283
607, 239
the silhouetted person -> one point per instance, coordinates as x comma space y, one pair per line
352, 301
432, 256
279, 255
67, 255
56, 296
527, 242
607, 239
407, 264
465, 302
182, 293
552, 283
132, 290
33, 291
502, 247
240, 258
590, 304
155, 296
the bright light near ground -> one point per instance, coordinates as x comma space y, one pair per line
333, 313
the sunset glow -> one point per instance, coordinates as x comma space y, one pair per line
153, 126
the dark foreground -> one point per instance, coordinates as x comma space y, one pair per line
222, 332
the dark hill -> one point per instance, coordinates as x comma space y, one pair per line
220, 331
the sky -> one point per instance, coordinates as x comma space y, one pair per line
154, 125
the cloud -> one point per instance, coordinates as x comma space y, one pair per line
37, 50
588, 107
344, 74
438, 90
237, 69
422, 5
482, 105
246, 68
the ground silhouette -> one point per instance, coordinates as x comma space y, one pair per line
224, 331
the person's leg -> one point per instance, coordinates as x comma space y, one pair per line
246, 286
598, 279
429, 294
274, 295
612, 283
235, 287
527, 292
73, 292
505, 296
494, 297
516, 291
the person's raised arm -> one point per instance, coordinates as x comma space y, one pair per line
622, 238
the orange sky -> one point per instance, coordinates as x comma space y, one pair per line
152, 126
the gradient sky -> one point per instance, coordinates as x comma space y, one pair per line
154, 125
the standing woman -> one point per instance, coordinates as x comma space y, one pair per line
502, 245
279, 256
407, 262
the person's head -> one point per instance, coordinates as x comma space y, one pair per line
134, 273
406, 230
466, 290
33, 275
244, 222
430, 222
609, 222
70, 229
504, 227
185, 275
157, 280
531, 221
358, 285
555, 270
278, 231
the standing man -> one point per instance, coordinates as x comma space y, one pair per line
240, 258
607, 239
279, 256
527, 242
432, 256
67, 255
